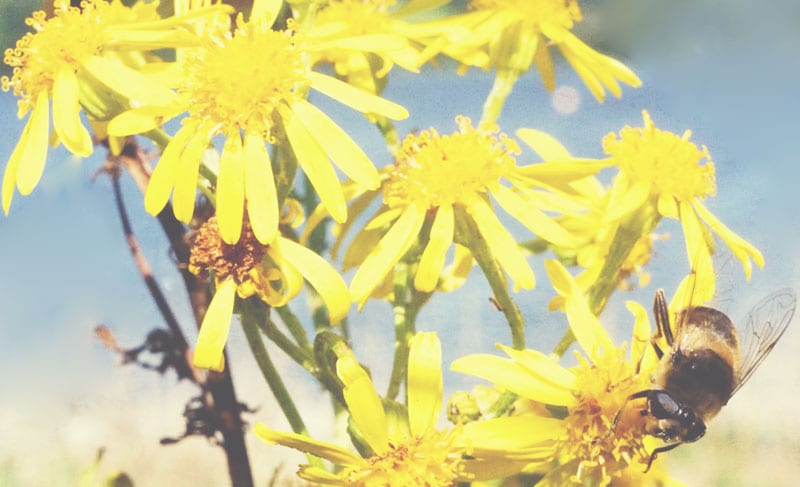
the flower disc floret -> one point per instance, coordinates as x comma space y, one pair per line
240, 84
438, 170
602, 390
668, 164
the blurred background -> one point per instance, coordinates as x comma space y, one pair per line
727, 70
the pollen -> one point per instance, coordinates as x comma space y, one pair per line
71, 36
669, 164
211, 255
563, 13
428, 460
437, 170
239, 83
602, 449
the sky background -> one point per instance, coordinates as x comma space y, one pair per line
727, 70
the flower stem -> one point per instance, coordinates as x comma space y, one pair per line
503, 83
468, 234
404, 329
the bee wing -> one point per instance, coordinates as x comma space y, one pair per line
765, 325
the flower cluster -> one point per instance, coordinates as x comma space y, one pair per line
230, 101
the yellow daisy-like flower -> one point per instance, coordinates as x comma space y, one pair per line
405, 447
72, 60
274, 272
438, 191
586, 448
519, 33
370, 24
249, 87
672, 174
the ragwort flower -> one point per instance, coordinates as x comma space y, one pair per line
249, 87
519, 33
274, 272
438, 191
586, 449
405, 446
73, 60
674, 176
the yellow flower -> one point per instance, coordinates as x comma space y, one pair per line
671, 174
405, 446
73, 60
249, 87
437, 193
519, 33
274, 272
381, 40
586, 450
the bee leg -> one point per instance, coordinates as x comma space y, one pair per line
660, 450
618, 416
661, 313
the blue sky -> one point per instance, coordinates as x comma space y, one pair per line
725, 70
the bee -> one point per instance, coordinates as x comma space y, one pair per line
705, 365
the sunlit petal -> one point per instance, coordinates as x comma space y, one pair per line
332, 453
424, 382
34, 142
364, 403
355, 98
66, 113
260, 192
432, 261
215, 327
230, 189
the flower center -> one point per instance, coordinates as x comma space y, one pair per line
211, 255
240, 83
428, 460
68, 38
605, 387
668, 164
563, 13
438, 170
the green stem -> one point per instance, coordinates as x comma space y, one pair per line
503, 83
295, 328
298, 354
404, 329
474, 241
254, 312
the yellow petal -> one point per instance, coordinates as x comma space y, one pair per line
699, 255
355, 98
588, 330
385, 255
534, 219
511, 432
215, 327
163, 178
334, 454
366, 409
323, 278
33, 143
741, 248
424, 382
432, 262
230, 189
342, 150
315, 164
642, 331
130, 83
259, 185
141, 119
520, 380
291, 281
66, 113
187, 174
623, 203
503, 246
547, 146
